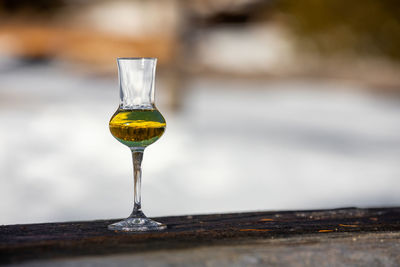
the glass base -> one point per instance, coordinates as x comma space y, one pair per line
137, 224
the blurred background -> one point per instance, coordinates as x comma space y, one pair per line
270, 105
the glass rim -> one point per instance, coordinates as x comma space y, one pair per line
136, 58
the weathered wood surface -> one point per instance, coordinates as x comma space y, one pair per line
55, 240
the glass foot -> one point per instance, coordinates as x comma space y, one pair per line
138, 224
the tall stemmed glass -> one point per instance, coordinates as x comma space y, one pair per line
137, 123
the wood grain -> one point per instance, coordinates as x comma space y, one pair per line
53, 240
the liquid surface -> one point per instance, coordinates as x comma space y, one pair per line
137, 128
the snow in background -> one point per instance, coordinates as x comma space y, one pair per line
235, 146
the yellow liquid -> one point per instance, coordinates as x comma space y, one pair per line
137, 128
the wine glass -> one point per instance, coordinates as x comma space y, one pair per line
137, 123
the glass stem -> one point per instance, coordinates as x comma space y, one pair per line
137, 156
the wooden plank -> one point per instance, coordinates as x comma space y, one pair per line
53, 240
333, 249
